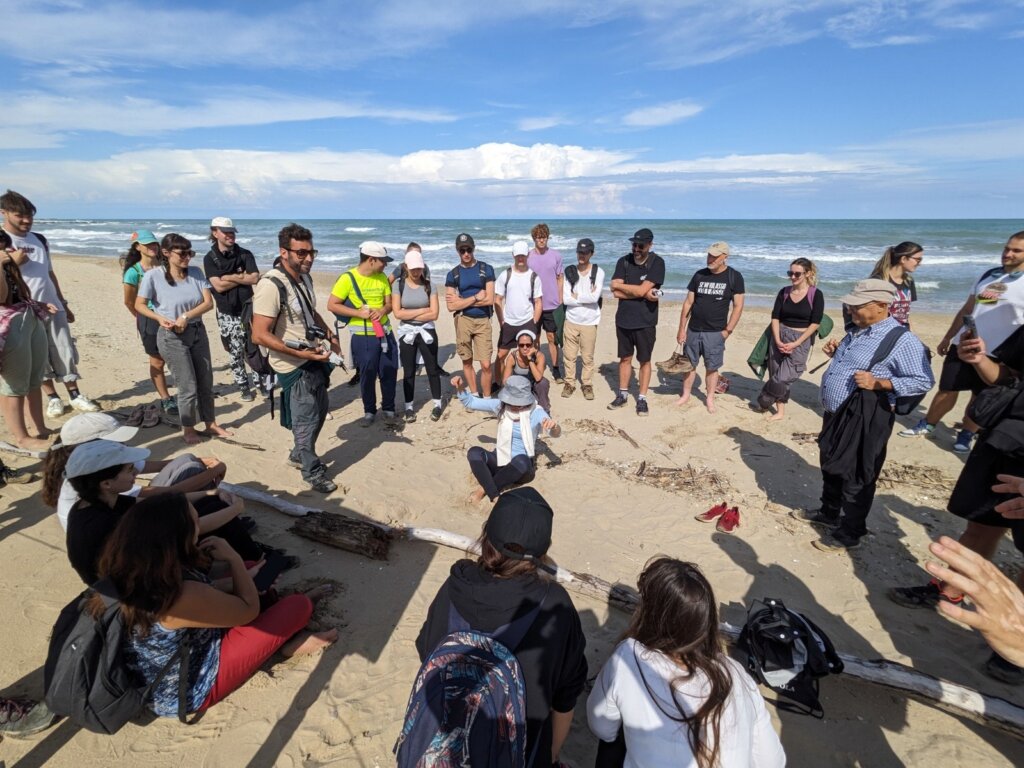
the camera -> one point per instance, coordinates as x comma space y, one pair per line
315, 333
298, 344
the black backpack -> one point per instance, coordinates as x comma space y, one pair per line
255, 357
86, 678
533, 281
789, 653
572, 274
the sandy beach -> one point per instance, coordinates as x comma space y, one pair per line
346, 705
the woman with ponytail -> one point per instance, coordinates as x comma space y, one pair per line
897, 265
670, 692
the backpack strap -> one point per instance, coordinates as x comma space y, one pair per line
44, 241
886, 346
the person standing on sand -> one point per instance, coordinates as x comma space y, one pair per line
547, 263
469, 296
581, 296
636, 283
302, 370
858, 395
997, 305
32, 255
518, 301
232, 273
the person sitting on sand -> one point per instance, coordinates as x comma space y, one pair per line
101, 472
520, 421
669, 695
796, 316
706, 320
180, 295
527, 360
503, 584
157, 564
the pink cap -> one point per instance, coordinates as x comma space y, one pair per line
414, 260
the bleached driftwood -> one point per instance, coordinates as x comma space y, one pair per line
10, 448
958, 699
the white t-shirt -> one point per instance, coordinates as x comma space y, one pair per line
582, 308
36, 270
998, 306
518, 307
620, 698
69, 497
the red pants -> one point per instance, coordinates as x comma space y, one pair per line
244, 649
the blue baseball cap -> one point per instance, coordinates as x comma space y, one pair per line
144, 237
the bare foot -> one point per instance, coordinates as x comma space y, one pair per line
33, 443
191, 437
319, 593
477, 496
776, 417
308, 642
711, 405
218, 431
683, 400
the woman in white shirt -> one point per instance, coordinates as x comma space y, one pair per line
670, 688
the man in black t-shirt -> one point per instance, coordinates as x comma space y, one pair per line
232, 272
706, 320
636, 283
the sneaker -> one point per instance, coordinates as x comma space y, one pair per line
82, 403
22, 717
837, 541
354, 380
409, 416
436, 413
389, 417
1004, 671
816, 518
55, 407
641, 407
568, 389
619, 401
712, 514
14, 476
588, 392
247, 396
170, 405
963, 441
730, 521
556, 374
321, 484
367, 420
924, 596
291, 461
921, 428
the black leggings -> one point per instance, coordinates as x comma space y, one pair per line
407, 354
492, 478
233, 531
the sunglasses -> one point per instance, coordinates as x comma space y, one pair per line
465, 250
303, 253
527, 345
183, 254
791, 273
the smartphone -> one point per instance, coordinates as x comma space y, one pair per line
275, 564
969, 325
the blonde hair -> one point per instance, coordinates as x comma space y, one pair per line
810, 269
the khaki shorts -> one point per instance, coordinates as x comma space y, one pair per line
473, 340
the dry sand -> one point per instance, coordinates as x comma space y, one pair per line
346, 705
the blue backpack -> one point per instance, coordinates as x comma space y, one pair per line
468, 704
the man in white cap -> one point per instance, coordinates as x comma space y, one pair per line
232, 273
518, 301
877, 369
363, 296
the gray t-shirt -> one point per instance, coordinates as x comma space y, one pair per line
172, 301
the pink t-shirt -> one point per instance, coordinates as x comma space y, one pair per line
548, 266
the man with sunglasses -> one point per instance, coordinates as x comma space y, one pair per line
706, 320
294, 334
469, 296
232, 273
636, 283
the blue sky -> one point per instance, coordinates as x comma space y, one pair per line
532, 108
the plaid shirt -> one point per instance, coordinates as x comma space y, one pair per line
906, 366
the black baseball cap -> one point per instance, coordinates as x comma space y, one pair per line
464, 240
520, 517
642, 236
586, 245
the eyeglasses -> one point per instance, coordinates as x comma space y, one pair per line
791, 273
303, 253
465, 250
914, 258
183, 254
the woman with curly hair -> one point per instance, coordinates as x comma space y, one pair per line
670, 692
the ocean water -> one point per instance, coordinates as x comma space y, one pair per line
956, 252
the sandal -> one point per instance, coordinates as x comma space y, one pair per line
150, 415
136, 416
925, 596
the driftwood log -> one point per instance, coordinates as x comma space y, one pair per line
373, 540
9, 448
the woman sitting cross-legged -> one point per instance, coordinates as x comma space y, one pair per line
527, 360
520, 421
670, 691
155, 562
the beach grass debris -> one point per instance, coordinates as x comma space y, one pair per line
895, 475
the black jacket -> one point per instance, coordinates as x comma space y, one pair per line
551, 654
853, 440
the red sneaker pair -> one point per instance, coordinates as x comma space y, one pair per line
728, 518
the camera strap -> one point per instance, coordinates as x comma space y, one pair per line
305, 303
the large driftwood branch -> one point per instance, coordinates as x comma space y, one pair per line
372, 539
10, 448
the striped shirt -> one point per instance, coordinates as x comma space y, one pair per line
906, 366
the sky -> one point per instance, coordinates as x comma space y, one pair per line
518, 109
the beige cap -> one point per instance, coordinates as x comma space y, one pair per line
866, 291
414, 260
721, 248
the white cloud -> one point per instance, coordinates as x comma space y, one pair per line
541, 123
989, 141
655, 115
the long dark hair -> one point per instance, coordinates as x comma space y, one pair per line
88, 486
501, 566
893, 255
132, 257
172, 241
146, 556
53, 473
678, 616
12, 269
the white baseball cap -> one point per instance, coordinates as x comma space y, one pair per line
101, 454
374, 250
520, 248
223, 222
93, 426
